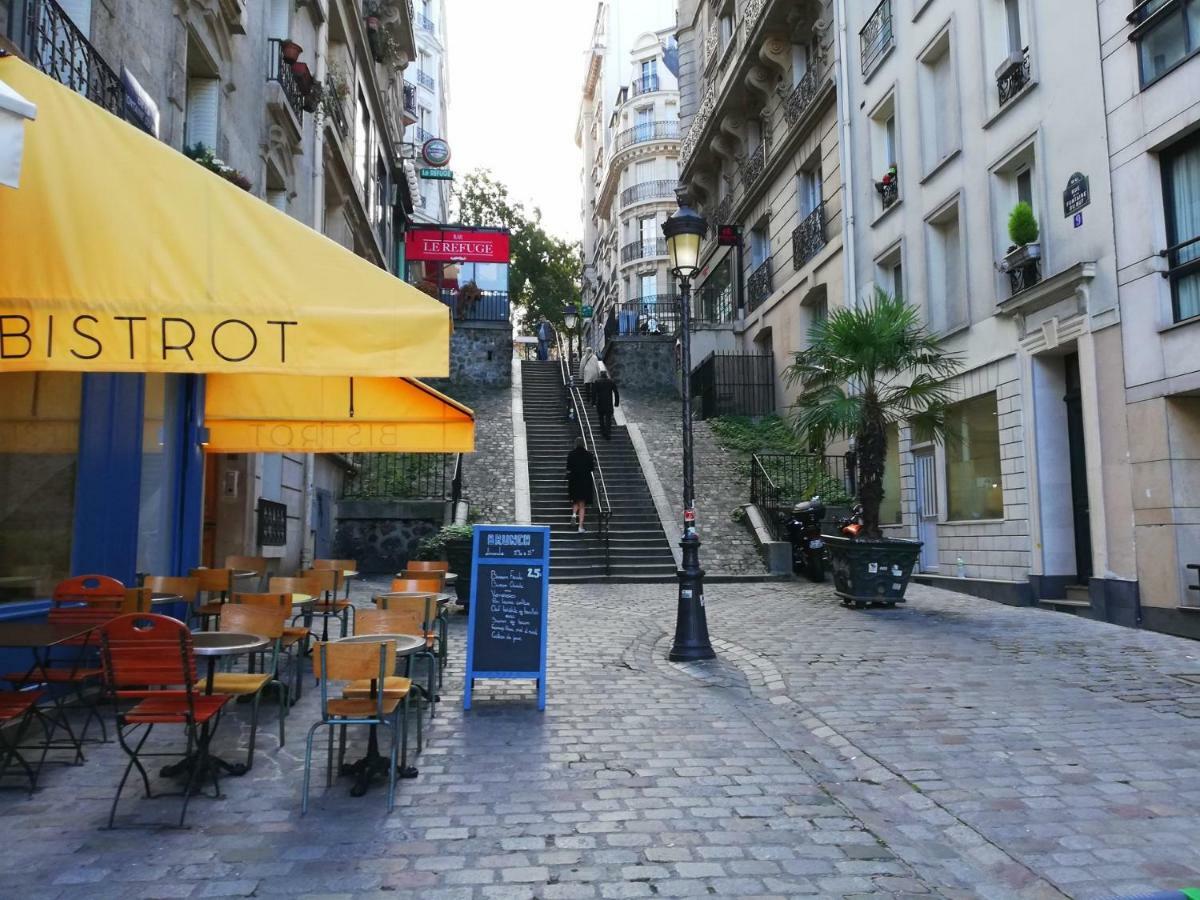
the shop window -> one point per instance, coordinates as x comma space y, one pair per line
1167, 33
973, 485
159, 492
1181, 187
889, 509
39, 449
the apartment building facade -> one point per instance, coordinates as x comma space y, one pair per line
628, 130
430, 83
1151, 68
761, 153
301, 103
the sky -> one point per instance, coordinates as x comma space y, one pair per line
516, 78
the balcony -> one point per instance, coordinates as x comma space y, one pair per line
643, 132
1013, 76
753, 165
410, 104
52, 43
280, 72
725, 210
759, 286
1023, 267
808, 237
876, 37
648, 190
651, 314
643, 249
425, 80
802, 97
335, 110
425, 23
420, 135
483, 306
647, 84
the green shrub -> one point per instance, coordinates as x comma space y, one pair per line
434, 546
1022, 225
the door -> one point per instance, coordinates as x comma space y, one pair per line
1081, 512
927, 510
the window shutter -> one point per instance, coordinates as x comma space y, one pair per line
80, 12
277, 19
202, 94
278, 199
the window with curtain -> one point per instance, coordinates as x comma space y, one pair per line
973, 485
889, 509
1167, 33
39, 449
201, 114
1181, 185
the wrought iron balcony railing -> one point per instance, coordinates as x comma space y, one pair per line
725, 210
889, 191
420, 135
809, 237
410, 100
52, 43
645, 85
753, 165
648, 190
279, 70
712, 306
650, 314
665, 130
1013, 78
425, 80
337, 112
800, 100
425, 23
643, 249
758, 285
1024, 276
486, 306
877, 36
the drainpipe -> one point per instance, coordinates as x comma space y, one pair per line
846, 152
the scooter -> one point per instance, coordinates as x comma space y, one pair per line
804, 531
853, 523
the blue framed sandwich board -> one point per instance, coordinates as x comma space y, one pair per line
510, 600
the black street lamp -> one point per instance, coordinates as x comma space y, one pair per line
684, 232
570, 319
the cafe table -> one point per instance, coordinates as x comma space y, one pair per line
212, 646
443, 600
375, 763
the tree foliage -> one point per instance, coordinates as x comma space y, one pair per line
544, 272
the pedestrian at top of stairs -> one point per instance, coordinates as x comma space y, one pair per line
580, 465
589, 368
545, 336
605, 397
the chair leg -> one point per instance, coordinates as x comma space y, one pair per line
308, 748
201, 763
329, 760
133, 759
253, 728
396, 739
284, 695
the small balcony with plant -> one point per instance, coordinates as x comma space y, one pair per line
1023, 261
888, 187
1013, 76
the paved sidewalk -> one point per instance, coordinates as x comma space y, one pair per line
953, 748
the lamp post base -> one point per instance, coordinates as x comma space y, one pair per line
691, 623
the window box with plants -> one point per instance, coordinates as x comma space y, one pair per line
1022, 262
452, 544
866, 369
203, 155
889, 186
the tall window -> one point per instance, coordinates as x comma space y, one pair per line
947, 287
362, 140
649, 72
1025, 186
649, 286
648, 228
1181, 186
760, 245
201, 114
973, 485
1167, 32
898, 281
277, 19
939, 104
645, 123
809, 193
1012, 18
799, 63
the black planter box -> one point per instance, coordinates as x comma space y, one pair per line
458, 556
871, 571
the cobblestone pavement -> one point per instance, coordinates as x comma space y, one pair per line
721, 483
952, 748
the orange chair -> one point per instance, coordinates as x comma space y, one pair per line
329, 605
294, 641
141, 649
382, 621
267, 623
414, 613
256, 564
212, 582
187, 588
89, 589
427, 565
418, 575
423, 585
17, 710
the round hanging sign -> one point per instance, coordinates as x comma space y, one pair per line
436, 152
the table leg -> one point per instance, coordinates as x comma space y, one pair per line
211, 762
374, 763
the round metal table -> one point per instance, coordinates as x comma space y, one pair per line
441, 597
159, 598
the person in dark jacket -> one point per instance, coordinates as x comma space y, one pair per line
605, 397
580, 465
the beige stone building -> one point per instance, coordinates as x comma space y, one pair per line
759, 105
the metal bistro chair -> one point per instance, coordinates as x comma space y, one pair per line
355, 663
382, 621
415, 612
434, 582
93, 589
256, 564
294, 641
212, 582
148, 659
328, 605
17, 710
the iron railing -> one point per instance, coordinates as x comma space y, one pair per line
1010, 82
456, 483
734, 384
487, 306
425, 23
725, 210
648, 190
711, 306
645, 85
758, 285
779, 481
800, 100
279, 71
876, 37
889, 192
1183, 261
410, 100
397, 476
421, 135
652, 314
425, 80
752, 166
808, 237
336, 111
271, 523
665, 130
53, 43
643, 249
1024, 276
583, 421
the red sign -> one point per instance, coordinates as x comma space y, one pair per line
457, 246
729, 236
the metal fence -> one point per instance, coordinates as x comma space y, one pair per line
778, 481
734, 384
652, 314
399, 476
485, 306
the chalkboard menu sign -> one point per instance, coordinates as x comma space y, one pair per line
510, 592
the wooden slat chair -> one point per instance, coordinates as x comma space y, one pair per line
137, 600
212, 583
298, 584
256, 564
422, 575
329, 605
148, 659
415, 613
294, 640
382, 621
427, 565
94, 589
263, 622
340, 565
433, 581
351, 663
17, 711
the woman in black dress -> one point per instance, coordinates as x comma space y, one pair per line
580, 464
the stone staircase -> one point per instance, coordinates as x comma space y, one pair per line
638, 548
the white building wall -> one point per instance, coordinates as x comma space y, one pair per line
430, 73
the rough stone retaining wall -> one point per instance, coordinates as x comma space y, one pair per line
480, 353
488, 472
644, 362
382, 535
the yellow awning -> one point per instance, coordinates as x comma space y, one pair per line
272, 414
119, 254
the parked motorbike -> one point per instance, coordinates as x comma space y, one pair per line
804, 532
852, 524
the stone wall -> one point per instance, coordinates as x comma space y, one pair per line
641, 362
488, 472
382, 535
481, 353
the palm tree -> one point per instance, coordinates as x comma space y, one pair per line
865, 369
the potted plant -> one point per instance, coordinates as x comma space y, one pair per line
303, 76
311, 101
889, 186
290, 50
452, 543
867, 368
1023, 232
334, 92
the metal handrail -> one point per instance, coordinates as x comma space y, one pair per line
599, 486
456, 485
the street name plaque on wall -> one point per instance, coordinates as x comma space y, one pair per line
1077, 195
510, 594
